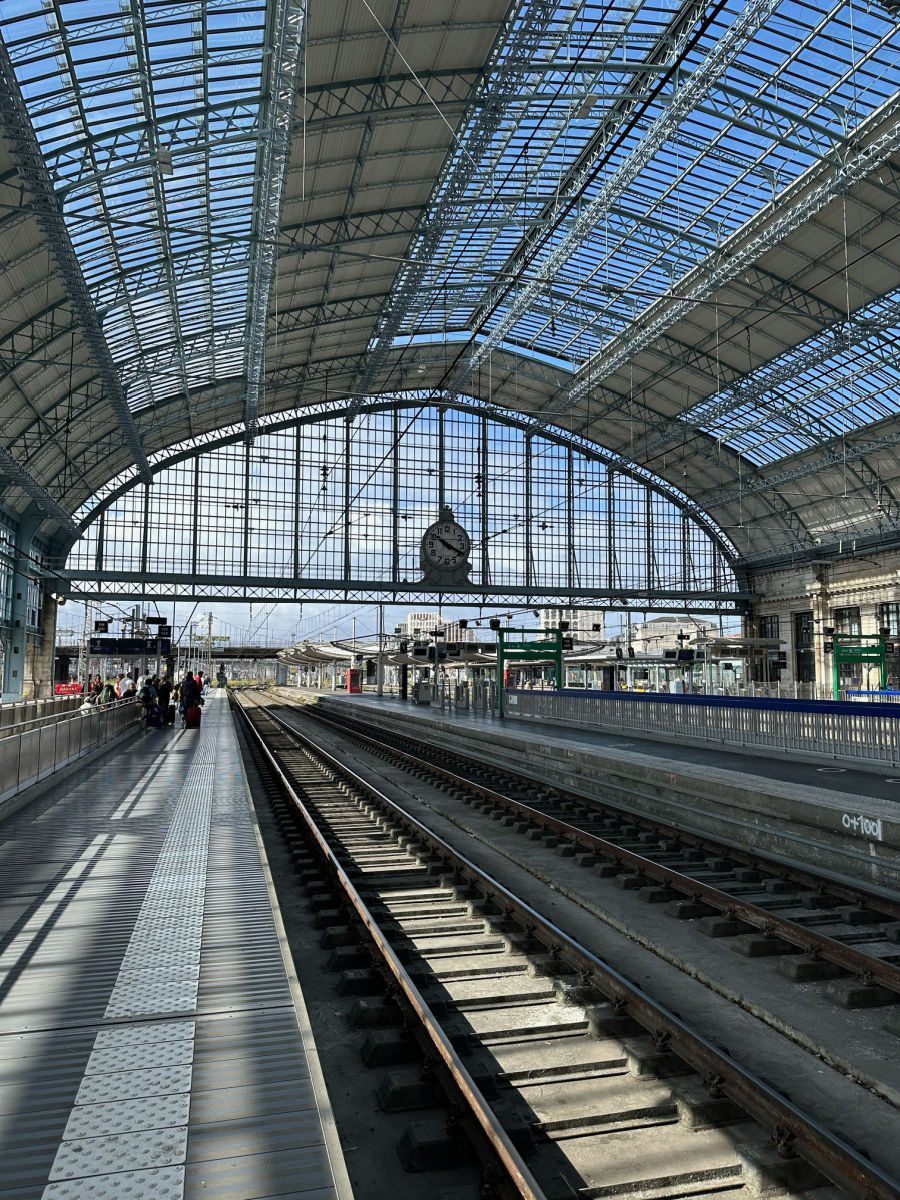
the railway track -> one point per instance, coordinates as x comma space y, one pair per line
574, 1081
817, 928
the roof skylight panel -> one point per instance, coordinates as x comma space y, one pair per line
103, 104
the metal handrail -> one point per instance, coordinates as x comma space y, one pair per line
34, 754
857, 732
54, 718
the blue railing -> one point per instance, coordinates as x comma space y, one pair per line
857, 730
762, 703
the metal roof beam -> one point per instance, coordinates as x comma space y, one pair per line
399, 17
842, 450
684, 100
285, 41
37, 492
752, 388
135, 145
20, 134
353, 100
505, 72
875, 142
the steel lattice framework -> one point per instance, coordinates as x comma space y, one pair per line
549, 520
672, 231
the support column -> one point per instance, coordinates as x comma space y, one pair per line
39, 655
821, 619
16, 667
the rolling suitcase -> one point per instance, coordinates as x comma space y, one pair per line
154, 717
192, 717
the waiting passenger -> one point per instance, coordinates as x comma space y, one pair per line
107, 693
190, 692
147, 696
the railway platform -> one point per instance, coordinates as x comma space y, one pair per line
153, 1040
838, 819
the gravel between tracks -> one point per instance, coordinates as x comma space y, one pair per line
562, 891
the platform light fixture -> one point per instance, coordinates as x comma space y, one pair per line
585, 106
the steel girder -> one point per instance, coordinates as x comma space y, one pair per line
685, 98
500, 74
114, 585
149, 279
48, 214
876, 360
308, 316
285, 44
658, 65
334, 233
42, 499
343, 406
874, 143
847, 333
135, 145
400, 11
392, 97
844, 451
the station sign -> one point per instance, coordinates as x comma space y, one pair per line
67, 689
124, 647
101, 627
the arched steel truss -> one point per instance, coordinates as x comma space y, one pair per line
333, 504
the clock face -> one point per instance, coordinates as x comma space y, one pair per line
446, 544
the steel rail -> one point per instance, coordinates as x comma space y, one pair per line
524, 1182
887, 907
792, 1130
866, 967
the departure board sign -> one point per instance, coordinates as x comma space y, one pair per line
128, 647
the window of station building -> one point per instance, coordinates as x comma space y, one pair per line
889, 618
846, 620
804, 653
34, 597
7, 567
770, 626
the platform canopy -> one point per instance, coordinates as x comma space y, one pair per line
672, 228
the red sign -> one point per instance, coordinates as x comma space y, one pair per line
68, 689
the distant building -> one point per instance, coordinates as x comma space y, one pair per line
419, 625
661, 633
587, 623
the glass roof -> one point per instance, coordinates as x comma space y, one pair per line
147, 114
856, 385
581, 189
791, 90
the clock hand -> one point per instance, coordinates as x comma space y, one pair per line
449, 545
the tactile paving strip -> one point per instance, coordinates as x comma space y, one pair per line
150, 1071
136, 897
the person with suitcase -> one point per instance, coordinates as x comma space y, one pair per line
190, 702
